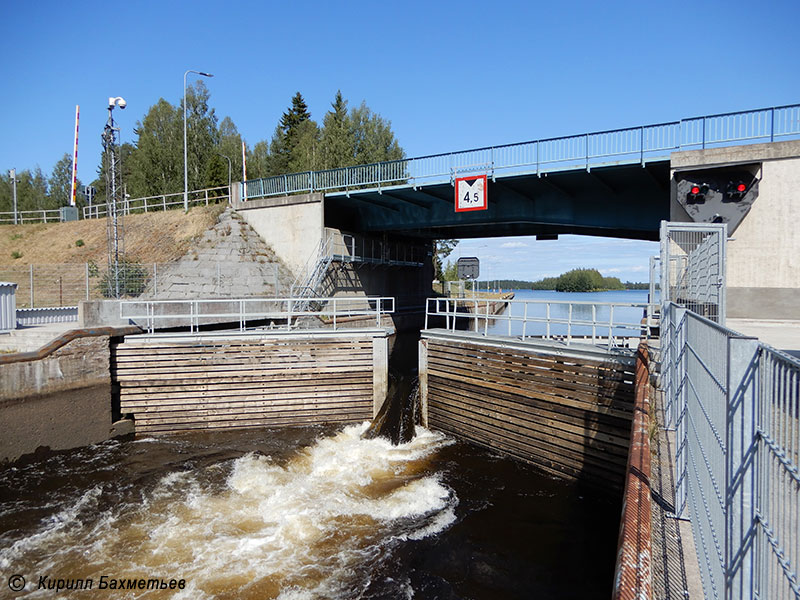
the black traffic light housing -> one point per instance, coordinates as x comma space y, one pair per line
697, 194
735, 191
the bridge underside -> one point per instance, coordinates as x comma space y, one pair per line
616, 201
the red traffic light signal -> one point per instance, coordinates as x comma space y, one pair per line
735, 191
697, 194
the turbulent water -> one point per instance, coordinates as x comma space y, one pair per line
301, 513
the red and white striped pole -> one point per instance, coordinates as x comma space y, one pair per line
75, 159
244, 171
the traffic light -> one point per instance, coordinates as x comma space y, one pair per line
735, 191
697, 194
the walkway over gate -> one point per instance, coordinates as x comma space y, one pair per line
612, 183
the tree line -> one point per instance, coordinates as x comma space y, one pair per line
576, 280
152, 164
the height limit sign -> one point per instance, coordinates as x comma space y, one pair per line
471, 193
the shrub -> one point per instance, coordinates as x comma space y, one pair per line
79, 243
16, 254
132, 279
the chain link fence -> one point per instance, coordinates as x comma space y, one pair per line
68, 284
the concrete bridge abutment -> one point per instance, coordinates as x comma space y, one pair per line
763, 270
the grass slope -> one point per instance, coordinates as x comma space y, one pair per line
154, 237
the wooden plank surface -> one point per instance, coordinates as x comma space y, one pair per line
567, 416
175, 386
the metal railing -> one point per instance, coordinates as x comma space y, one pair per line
692, 264
52, 215
336, 246
606, 323
160, 203
346, 247
621, 146
733, 402
284, 313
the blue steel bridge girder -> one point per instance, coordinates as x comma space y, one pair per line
620, 201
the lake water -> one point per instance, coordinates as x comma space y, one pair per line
585, 312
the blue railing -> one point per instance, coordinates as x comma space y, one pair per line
619, 146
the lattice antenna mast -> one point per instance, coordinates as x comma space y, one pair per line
115, 232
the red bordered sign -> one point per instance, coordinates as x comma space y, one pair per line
471, 193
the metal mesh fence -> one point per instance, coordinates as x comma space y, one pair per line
693, 267
68, 284
735, 405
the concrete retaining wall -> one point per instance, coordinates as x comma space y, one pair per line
291, 225
61, 401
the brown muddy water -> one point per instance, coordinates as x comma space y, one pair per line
311, 513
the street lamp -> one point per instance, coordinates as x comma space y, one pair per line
229, 171
185, 164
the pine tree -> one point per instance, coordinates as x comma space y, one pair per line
288, 135
337, 144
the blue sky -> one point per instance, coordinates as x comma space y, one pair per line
449, 75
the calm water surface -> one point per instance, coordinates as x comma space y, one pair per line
583, 311
301, 514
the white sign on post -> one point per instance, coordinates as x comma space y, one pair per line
471, 193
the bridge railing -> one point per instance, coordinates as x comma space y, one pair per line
735, 403
618, 146
600, 323
284, 313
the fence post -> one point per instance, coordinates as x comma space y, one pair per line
772, 125
678, 372
740, 473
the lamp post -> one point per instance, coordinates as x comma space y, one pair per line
185, 164
12, 174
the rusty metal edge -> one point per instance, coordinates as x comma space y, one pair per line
64, 339
632, 574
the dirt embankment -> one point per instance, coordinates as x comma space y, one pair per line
154, 237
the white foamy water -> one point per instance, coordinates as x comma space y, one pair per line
313, 527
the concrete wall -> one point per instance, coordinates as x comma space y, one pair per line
291, 225
59, 402
763, 270
764, 252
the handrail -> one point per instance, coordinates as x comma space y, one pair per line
454, 311
95, 211
44, 215
147, 312
630, 145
